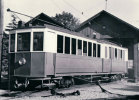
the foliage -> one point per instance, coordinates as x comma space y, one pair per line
67, 19
5, 48
5, 44
13, 23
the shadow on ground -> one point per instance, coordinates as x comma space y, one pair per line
129, 88
134, 97
19, 93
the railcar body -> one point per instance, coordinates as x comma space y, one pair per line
49, 52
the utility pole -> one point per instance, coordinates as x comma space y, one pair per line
1, 35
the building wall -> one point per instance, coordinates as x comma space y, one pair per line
89, 32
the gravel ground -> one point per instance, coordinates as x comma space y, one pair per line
87, 92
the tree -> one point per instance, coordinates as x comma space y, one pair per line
5, 46
13, 24
67, 19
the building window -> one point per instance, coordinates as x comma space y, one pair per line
67, 45
89, 49
23, 41
79, 47
12, 42
60, 44
73, 46
85, 48
94, 50
38, 41
115, 52
98, 50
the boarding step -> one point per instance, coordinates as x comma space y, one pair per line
37, 79
47, 86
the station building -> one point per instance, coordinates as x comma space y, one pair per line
109, 27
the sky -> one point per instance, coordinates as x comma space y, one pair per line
127, 10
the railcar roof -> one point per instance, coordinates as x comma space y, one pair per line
69, 32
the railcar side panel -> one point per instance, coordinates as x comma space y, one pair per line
107, 65
119, 66
77, 64
37, 64
49, 63
12, 63
22, 70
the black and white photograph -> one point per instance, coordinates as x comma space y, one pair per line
69, 49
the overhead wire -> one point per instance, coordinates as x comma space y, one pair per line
56, 4
86, 16
72, 6
33, 17
59, 8
100, 3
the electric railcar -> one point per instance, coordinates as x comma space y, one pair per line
52, 53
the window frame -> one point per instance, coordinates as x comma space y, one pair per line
81, 45
62, 43
99, 50
74, 53
94, 50
33, 41
85, 49
30, 46
116, 53
14, 42
90, 49
66, 37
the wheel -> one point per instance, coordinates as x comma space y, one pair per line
119, 77
26, 83
66, 82
53, 92
16, 86
112, 78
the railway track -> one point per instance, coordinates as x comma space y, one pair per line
42, 92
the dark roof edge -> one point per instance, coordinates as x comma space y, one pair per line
88, 20
85, 22
121, 20
47, 21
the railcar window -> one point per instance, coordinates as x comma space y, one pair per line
67, 45
105, 52
85, 48
110, 56
23, 41
112, 53
79, 47
12, 42
98, 50
38, 41
60, 44
115, 52
121, 55
73, 46
89, 49
94, 50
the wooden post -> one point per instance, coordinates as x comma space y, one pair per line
135, 60
1, 33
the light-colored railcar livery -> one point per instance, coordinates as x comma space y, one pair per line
52, 53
